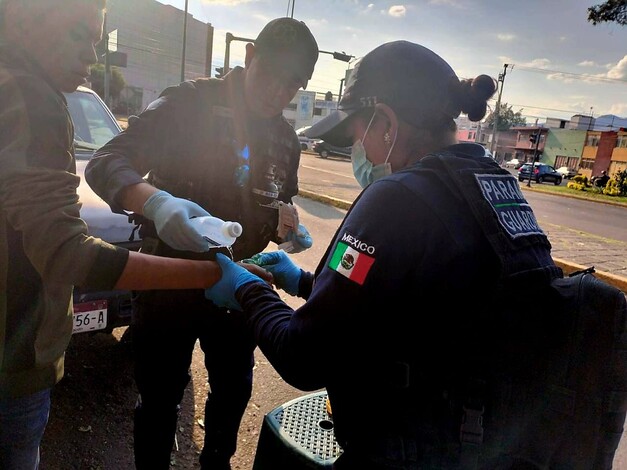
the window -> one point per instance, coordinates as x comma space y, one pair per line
593, 141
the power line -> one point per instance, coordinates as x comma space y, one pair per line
578, 76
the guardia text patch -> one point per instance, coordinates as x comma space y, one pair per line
349, 261
510, 206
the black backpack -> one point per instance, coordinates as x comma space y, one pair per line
549, 390
553, 393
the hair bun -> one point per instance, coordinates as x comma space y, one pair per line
474, 95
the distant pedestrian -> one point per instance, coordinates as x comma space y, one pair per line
601, 180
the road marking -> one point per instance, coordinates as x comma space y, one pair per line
327, 171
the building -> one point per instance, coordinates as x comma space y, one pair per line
154, 49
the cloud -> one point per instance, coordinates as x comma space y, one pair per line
452, 3
619, 109
397, 11
618, 71
587, 63
506, 37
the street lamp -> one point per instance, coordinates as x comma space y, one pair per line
227, 52
343, 56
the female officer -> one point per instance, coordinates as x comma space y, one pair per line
386, 327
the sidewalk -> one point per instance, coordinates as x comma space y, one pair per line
572, 250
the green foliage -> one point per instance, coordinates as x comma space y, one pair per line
618, 185
507, 118
611, 10
116, 84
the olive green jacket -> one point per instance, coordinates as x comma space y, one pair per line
44, 246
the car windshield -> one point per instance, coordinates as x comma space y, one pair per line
93, 127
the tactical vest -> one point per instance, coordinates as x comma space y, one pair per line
235, 167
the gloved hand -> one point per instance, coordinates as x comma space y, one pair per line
171, 216
295, 242
233, 277
286, 274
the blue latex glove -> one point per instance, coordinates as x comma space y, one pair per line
171, 216
298, 241
233, 277
286, 274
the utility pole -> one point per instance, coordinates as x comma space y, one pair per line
184, 42
107, 64
534, 138
339, 96
501, 80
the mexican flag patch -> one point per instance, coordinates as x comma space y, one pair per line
351, 263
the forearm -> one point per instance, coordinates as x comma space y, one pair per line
133, 197
144, 272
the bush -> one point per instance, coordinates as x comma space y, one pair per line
579, 183
619, 183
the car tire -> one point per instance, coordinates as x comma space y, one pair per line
557, 181
521, 179
539, 179
324, 154
303, 146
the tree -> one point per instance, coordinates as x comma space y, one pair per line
116, 84
507, 118
611, 10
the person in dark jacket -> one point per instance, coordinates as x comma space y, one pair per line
387, 321
223, 145
46, 48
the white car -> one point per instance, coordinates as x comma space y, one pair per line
94, 125
566, 172
513, 163
306, 143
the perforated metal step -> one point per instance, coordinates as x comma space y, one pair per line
298, 433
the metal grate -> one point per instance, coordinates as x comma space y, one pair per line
306, 424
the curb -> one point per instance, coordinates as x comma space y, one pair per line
567, 266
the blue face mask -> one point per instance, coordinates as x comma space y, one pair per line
363, 169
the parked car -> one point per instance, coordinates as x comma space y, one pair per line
306, 143
511, 163
94, 125
325, 149
566, 172
541, 173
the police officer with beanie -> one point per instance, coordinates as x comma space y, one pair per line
217, 147
401, 297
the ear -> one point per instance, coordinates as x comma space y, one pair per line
389, 117
250, 53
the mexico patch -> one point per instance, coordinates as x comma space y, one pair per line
351, 263
512, 210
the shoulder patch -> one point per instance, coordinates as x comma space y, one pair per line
352, 258
512, 210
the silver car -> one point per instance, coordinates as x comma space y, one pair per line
94, 125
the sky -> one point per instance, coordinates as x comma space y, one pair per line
559, 64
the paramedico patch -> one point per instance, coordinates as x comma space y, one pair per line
512, 210
352, 258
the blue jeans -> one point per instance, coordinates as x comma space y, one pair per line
22, 424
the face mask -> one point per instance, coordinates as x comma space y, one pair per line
363, 169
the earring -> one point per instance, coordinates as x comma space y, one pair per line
387, 139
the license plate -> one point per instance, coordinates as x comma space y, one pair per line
90, 316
